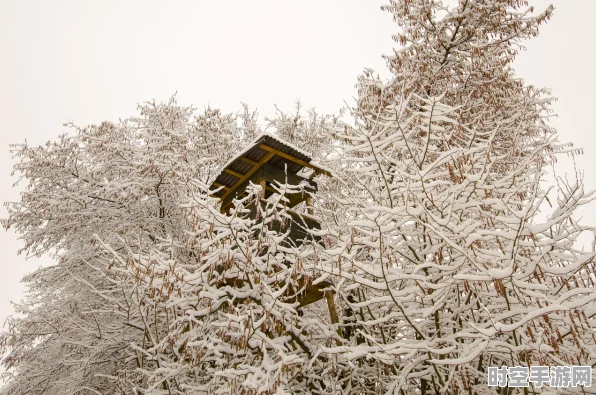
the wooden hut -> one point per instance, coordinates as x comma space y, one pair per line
266, 161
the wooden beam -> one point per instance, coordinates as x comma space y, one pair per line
249, 173
332, 310
263, 184
312, 292
252, 162
234, 173
309, 205
295, 160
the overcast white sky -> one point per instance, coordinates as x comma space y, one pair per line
89, 61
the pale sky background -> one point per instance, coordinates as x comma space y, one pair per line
89, 61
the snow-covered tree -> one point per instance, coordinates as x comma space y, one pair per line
445, 248
109, 192
451, 256
154, 290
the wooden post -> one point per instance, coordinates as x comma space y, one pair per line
309, 205
332, 311
263, 183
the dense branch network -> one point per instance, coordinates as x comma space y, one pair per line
445, 253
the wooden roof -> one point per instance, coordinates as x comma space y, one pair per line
266, 149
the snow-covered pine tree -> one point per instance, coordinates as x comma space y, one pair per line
443, 257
